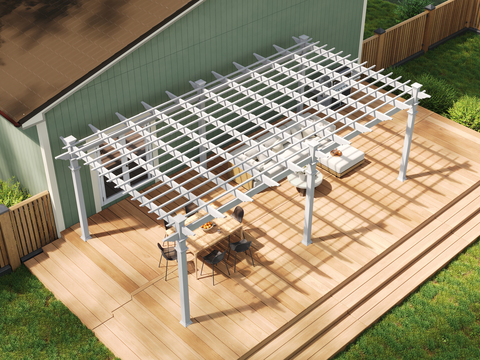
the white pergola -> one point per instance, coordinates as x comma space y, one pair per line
277, 96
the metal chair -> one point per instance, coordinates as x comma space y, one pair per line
190, 208
238, 214
214, 258
240, 246
170, 254
165, 223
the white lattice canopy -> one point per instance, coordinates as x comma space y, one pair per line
267, 120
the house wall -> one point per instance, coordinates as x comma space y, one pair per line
20, 156
210, 37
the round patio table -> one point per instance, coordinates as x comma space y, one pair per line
300, 182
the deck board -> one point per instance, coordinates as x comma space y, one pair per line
357, 219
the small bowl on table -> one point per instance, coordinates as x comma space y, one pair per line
209, 227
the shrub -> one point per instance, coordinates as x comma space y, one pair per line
11, 193
408, 8
443, 95
466, 111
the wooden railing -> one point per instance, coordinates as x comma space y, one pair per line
24, 228
417, 34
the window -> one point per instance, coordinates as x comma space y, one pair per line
108, 190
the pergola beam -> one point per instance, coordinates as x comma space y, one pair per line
193, 165
235, 133
166, 180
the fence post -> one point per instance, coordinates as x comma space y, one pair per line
381, 41
9, 237
427, 34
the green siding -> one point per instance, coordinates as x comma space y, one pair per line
20, 156
210, 37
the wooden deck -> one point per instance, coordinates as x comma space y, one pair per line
113, 283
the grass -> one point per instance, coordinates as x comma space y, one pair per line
35, 325
380, 14
440, 321
457, 62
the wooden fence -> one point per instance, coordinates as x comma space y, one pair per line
417, 34
24, 228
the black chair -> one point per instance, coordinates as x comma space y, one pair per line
190, 208
170, 254
214, 258
240, 246
238, 214
165, 223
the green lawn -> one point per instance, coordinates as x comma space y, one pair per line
457, 62
379, 15
35, 325
440, 321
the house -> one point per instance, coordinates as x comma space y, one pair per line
66, 66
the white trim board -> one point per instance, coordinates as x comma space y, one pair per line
362, 32
50, 176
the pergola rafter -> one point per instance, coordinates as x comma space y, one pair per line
261, 119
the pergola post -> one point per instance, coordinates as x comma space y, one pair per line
311, 172
200, 85
77, 185
182, 248
402, 176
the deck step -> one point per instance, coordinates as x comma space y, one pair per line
346, 330
339, 316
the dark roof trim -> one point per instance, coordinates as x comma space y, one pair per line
102, 65
10, 119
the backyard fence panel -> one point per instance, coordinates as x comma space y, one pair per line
8, 247
369, 50
459, 18
475, 19
419, 32
3, 252
439, 29
403, 40
33, 224
50, 218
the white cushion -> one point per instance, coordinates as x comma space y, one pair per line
295, 158
270, 142
322, 123
307, 132
275, 170
278, 146
241, 157
238, 149
295, 129
252, 163
324, 142
350, 157
252, 152
262, 157
259, 166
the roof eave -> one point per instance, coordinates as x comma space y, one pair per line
104, 65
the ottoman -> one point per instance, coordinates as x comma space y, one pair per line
350, 159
